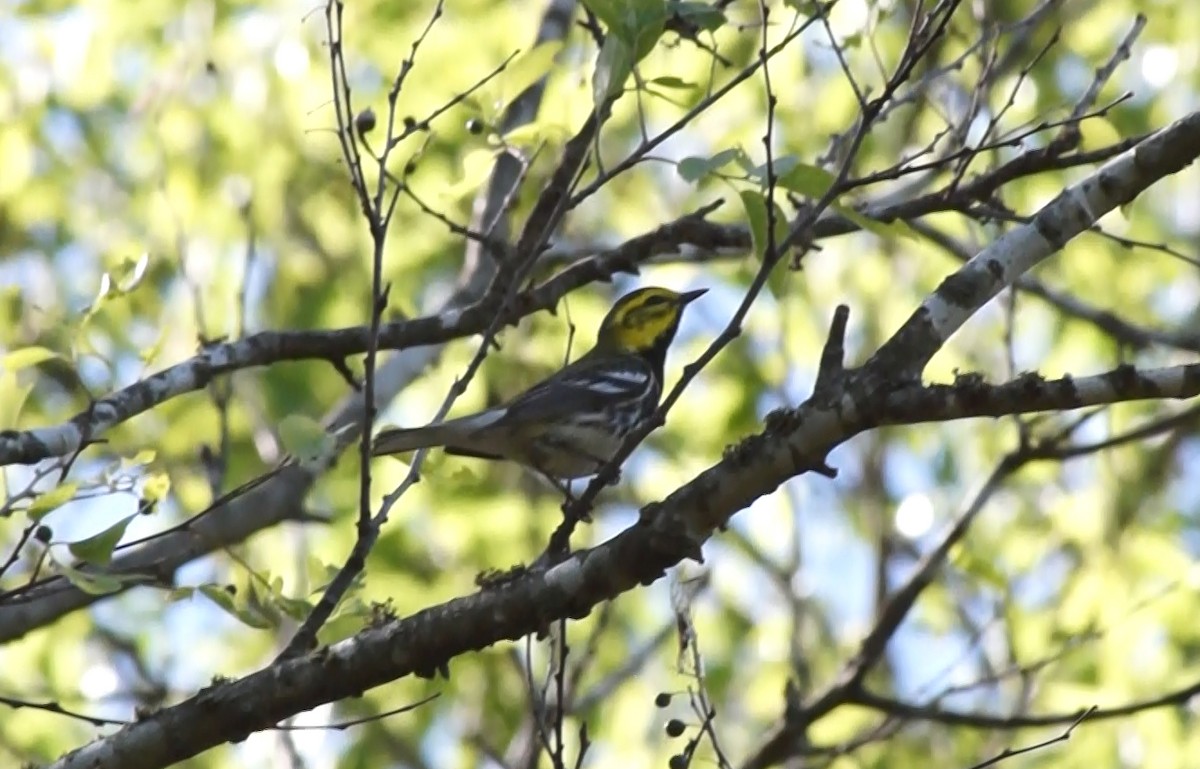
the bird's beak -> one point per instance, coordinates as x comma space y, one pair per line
687, 297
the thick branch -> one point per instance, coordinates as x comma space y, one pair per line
667, 533
996, 267
279, 498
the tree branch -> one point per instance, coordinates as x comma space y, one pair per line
996, 267
667, 532
268, 347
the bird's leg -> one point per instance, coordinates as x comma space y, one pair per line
559, 486
564, 487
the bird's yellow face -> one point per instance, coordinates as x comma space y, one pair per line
644, 319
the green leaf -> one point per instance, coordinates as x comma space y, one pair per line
28, 356
102, 293
882, 229
303, 437
227, 600
809, 180
135, 270
476, 165
143, 457
781, 167
259, 607
673, 82
649, 19
613, 67
529, 67
850, 42
295, 608
693, 169
155, 486
702, 15
253, 618
98, 548
532, 135
982, 568
634, 27
51, 500
92, 583
12, 399
755, 204
756, 216
177, 594
221, 595
609, 12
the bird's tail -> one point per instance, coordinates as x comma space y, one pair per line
399, 440
456, 433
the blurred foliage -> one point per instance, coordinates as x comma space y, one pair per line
171, 175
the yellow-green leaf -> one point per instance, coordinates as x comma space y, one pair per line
882, 229
476, 165
226, 599
221, 595
180, 594
12, 399
28, 356
303, 437
613, 67
607, 11
92, 583
51, 500
98, 548
809, 180
755, 204
649, 19
135, 270
143, 457
529, 67
155, 486
693, 169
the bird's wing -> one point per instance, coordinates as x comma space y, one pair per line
587, 385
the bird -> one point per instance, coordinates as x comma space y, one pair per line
571, 424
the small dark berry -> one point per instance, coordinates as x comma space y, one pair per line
675, 727
662, 700
410, 123
43, 534
677, 761
365, 121
475, 126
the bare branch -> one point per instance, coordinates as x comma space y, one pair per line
996, 267
1010, 752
